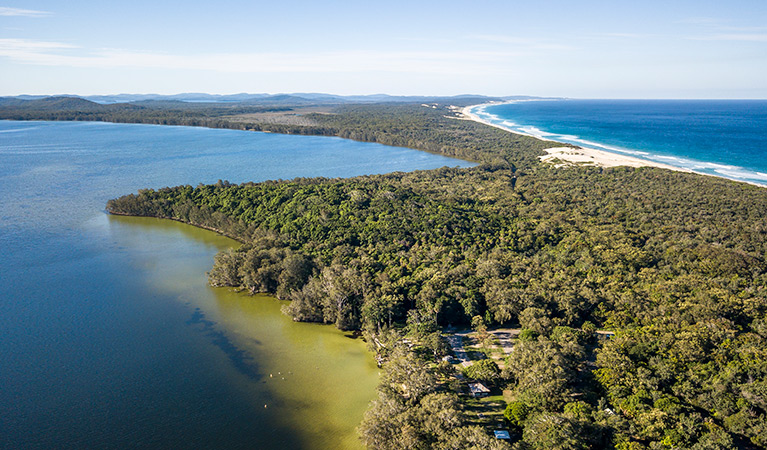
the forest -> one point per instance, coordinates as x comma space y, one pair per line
671, 264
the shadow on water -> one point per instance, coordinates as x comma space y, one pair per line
240, 359
311, 381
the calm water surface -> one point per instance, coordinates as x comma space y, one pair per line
109, 335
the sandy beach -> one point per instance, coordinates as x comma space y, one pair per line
564, 156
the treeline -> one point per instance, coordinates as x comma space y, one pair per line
435, 129
149, 112
673, 263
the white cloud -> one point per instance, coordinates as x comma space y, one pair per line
624, 35
700, 21
66, 55
743, 37
743, 29
717, 30
30, 45
524, 43
17, 12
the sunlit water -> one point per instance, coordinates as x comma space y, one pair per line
109, 334
727, 138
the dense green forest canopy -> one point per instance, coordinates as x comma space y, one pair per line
674, 264
462, 242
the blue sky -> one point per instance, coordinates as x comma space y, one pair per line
583, 49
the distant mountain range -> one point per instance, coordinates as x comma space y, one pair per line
293, 99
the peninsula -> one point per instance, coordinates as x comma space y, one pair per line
601, 307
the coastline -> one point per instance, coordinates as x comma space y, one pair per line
567, 156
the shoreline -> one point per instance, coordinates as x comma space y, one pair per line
568, 156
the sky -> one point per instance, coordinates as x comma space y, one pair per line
577, 49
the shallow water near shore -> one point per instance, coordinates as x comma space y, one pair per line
306, 384
111, 337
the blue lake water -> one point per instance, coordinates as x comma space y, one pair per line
109, 334
727, 138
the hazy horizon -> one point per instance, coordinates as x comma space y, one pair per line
653, 50
298, 94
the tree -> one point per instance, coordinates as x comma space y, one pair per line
542, 374
549, 431
471, 438
483, 370
516, 413
408, 376
536, 319
225, 271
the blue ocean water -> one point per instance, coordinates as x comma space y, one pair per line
727, 138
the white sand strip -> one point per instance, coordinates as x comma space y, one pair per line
561, 156
564, 156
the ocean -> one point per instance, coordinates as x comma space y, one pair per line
726, 138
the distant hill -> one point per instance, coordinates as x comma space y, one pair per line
279, 113
303, 98
64, 104
12, 101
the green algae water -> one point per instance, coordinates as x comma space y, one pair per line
110, 336
307, 384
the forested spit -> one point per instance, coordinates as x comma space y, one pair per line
672, 263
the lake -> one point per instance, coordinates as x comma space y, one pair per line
110, 336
